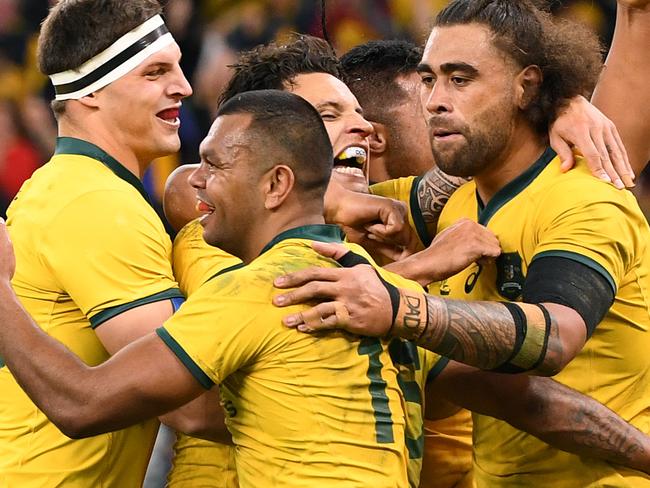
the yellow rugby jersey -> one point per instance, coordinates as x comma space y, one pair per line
303, 410
451, 448
88, 247
416, 367
199, 463
194, 261
447, 459
572, 215
405, 190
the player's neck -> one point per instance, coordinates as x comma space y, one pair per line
108, 143
524, 149
274, 225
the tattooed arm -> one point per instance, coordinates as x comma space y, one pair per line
434, 189
552, 412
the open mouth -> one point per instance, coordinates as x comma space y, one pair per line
170, 116
351, 161
204, 209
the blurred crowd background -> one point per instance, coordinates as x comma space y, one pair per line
211, 33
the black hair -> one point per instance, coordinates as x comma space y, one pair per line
290, 131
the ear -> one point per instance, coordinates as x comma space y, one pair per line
91, 101
378, 157
277, 185
528, 82
378, 140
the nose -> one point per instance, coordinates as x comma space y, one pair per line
361, 126
180, 87
437, 99
197, 177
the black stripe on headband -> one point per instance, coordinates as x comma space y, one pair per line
113, 63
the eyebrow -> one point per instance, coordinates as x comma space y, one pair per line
329, 103
447, 68
336, 106
468, 69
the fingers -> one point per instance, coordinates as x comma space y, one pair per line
331, 250
324, 316
604, 150
621, 159
564, 151
314, 273
314, 290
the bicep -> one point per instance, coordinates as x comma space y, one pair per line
141, 381
132, 324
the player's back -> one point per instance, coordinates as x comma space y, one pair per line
303, 410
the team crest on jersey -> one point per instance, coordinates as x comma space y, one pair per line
510, 277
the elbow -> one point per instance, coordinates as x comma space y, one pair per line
75, 425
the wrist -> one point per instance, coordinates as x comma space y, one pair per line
411, 317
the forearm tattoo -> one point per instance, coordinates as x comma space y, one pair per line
434, 190
579, 424
603, 433
481, 334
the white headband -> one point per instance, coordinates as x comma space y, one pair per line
114, 62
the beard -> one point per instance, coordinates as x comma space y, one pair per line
475, 152
481, 145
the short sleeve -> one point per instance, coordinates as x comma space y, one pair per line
195, 261
217, 330
405, 190
110, 253
601, 233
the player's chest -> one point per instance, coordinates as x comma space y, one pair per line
501, 278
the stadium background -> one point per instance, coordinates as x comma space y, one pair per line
210, 33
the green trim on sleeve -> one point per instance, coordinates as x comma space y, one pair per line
582, 259
2, 362
416, 214
185, 358
437, 369
109, 313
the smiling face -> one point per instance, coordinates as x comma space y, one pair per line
142, 107
226, 184
468, 93
347, 129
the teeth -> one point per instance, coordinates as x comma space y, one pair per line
355, 152
349, 170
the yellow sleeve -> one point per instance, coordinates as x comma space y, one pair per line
602, 233
405, 190
110, 254
232, 340
195, 261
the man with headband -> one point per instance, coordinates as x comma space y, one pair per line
93, 264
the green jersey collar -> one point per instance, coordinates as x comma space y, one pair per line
514, 188
71, 145
318, 232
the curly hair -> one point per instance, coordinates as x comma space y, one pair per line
569, 56
272, 66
